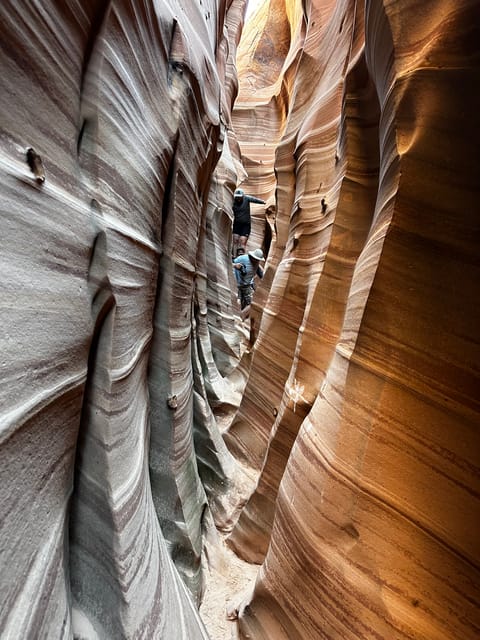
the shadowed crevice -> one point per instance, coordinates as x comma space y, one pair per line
87, 572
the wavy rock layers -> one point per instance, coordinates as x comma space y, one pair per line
374, 507
259, 117
355, 163
110, 383
260, 127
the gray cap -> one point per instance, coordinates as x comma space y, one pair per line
239, 193
257, 254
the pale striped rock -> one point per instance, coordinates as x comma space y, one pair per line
108, 436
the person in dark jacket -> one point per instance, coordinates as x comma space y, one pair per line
241, 218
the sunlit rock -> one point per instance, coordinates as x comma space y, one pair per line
361, 411
348, 465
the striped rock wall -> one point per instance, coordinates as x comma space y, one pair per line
114, 115
361, 413
124, 435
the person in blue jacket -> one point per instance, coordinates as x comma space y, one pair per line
247, 266
241, 218
237, 274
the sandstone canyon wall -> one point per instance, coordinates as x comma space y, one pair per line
125, 435
361, 412
113, 119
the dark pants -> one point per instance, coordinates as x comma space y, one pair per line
242, 228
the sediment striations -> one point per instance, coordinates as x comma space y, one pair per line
362, 410
124, 436
110, 381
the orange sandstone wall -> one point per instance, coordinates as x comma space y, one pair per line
361, 413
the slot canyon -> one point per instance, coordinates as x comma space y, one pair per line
168, 470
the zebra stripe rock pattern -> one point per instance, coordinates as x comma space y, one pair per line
338, 447
114, 116
361, 413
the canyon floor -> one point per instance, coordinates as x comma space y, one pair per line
229, 578
228, 581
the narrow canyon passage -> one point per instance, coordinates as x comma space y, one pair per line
169, 470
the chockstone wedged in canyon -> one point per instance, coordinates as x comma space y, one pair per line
313, 472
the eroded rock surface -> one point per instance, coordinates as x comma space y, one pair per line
124, 435
361, 412
109, 384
